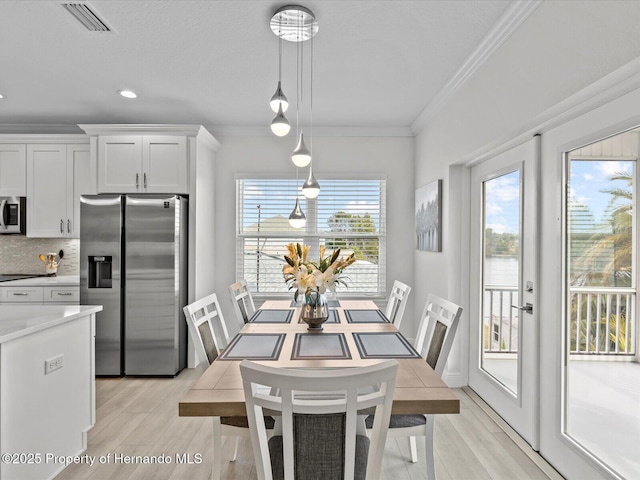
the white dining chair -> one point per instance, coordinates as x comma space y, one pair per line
438, 325
397, 302
242, 301
201, 317
319, 409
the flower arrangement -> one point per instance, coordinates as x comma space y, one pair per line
309, 277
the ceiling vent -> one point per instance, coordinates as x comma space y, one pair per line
83, 12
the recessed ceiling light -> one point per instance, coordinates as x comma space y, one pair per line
1, 95
128, 93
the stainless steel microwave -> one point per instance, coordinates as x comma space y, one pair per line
13, 215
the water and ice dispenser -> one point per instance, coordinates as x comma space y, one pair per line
100, 271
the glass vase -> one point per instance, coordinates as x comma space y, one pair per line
315, 310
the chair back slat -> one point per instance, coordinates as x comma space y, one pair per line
397, 302
201, 317
437, 328
331, 394
243, 304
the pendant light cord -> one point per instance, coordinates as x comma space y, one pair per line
311, 104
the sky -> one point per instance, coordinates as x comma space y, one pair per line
502, 207
588, 179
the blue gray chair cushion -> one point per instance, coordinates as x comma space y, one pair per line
319, 442
400, 421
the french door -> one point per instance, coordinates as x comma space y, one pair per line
503, 366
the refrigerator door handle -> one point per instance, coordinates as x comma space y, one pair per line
3, 203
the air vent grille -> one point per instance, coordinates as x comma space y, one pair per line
86, 16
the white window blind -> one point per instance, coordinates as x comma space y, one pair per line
348, 214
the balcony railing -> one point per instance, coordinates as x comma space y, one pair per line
602, 321
500, 319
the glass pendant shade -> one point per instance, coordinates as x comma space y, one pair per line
311, 188
297, 218
280, 125
301, 156
278, 100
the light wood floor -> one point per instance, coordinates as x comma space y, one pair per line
139, 417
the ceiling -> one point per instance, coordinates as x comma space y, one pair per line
377, 64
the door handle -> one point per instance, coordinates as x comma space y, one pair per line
144, 176
68, 226
3, 203
137, 180
19, 294
527, 307
61, 226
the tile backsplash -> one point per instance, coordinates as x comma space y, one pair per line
19, 254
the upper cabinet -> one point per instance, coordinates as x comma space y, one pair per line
143, 164
13, 170
56, 176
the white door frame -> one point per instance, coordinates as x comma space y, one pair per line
519, 409
569, 458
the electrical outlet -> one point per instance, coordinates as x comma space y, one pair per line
53, 364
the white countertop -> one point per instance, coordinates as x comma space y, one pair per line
19, 320
72, 280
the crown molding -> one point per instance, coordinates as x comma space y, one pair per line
40, 129
620, 82
318, 131
513, 17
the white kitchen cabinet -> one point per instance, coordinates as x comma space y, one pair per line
143, 164
22, 294
37, 295
55, 176
13, 170
68, 295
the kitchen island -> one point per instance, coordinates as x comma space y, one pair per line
47, 387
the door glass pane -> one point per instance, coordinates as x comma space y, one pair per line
602, 374
501, 278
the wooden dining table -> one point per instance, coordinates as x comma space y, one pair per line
357, 334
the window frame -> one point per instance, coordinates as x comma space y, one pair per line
313, 238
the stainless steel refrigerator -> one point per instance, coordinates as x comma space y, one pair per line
133, 262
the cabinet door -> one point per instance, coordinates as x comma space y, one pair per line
68, 295
78, 156
164, 164
120, 164
21, 295
13, 170
49, 191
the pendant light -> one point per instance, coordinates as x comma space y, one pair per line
311, 188
280, 125
279, 99
301, 156
294, 23
297, 218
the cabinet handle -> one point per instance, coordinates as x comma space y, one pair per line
64, 294
61, 226
137, 180
68, 226
19, 294
144, 176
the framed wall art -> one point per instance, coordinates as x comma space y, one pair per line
429, 217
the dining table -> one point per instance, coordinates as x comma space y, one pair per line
356, 334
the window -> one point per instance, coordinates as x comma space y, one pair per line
348, 214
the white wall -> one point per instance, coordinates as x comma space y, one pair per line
562, 48
391, 157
